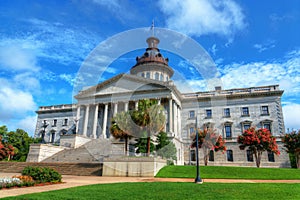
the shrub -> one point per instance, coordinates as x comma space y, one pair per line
42, 174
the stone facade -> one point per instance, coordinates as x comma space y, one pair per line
227, 111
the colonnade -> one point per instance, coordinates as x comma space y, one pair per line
88, 112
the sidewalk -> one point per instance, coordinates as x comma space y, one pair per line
74, 181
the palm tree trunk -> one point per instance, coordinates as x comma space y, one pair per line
257, 154
148, 146
126, 145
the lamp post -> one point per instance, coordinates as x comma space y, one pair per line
198, 180
44, 126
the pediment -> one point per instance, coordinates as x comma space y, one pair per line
123, 83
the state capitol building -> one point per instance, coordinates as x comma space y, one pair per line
229, 112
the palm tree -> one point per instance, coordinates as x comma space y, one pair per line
121, 120
150, 118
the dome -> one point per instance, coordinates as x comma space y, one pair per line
152, 64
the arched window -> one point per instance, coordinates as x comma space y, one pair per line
161, 77
143, 74
156, 76
148, 75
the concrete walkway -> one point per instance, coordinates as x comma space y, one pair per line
74, 181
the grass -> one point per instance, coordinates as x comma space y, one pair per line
216, 172
160, 190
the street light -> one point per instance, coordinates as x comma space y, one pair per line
44, 126
198, 180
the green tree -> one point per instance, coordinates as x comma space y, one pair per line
292, 144
142, 145
150, 117
258, 141
20, 140
6, 150
165, 148
208, 140
123, 120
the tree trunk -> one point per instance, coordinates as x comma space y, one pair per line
297, 156
257, 154
205, 152
126, 145
148, 146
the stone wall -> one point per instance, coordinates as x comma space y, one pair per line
78, 169
40, 152
132, 166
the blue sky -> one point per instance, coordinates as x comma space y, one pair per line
44, 43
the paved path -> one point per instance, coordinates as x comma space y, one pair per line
73, 181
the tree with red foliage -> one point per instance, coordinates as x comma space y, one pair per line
258, 141
292, 144
208, 140
6, 150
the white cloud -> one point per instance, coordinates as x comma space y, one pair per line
15, 103
14, 57
264, 46
200, 17
291, 116
28, 124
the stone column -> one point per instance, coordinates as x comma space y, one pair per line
126, 106
86, 120
115, 108
179, 122
175, 118
136, 105
77, 119
95, 121
105, 120
170, 115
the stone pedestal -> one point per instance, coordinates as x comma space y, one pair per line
132, 166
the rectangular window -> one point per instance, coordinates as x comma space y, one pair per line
208, 113
226, 112
193, 155
192, 114
192, 130
271, 157
249, 156
267, 126
246, 126
54, 122
265, 110
228, 131
211, 156
229, 155
65, 122
245, 111
156, 76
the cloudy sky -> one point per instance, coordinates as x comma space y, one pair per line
44, 43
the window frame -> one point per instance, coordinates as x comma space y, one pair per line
226, 112
208, 113
193, 115
265, 110
225, 130
229, 155
245, 112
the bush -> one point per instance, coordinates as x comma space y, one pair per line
293, 160
42, 174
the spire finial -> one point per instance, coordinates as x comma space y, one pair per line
152, 27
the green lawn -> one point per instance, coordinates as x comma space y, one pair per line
160, 190
230, 172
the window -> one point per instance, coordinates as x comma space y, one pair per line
229, 155
156, 76
246, 126
228, 131
167, 78
143, 74
54, 122
193, 155
148, 75
271, 157
52, 136
265, 110
192, 114
161, 77
208, 113
267, 126
249, 156
245, 111
211, 156
192, 130
65, 122
226, 112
